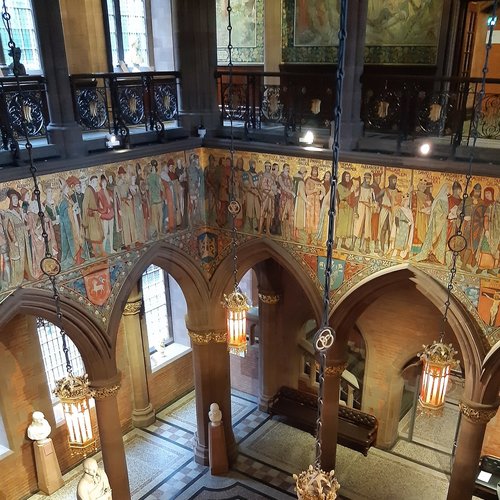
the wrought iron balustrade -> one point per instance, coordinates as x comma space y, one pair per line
117, 101
24, 107
264, 99
411, 106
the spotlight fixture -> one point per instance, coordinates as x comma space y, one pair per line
424, 149
308, 138
112, 141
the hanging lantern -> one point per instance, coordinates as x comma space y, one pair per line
237, 306
74, 394
316, 484
438, 360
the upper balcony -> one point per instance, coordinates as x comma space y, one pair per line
398, 112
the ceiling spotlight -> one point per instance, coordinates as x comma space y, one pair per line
424, 149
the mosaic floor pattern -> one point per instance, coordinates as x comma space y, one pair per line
161, 465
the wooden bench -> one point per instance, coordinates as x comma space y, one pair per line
357, 430
486, 485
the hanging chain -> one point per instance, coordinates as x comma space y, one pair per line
49, 265
457, 242
326, 336
234, 207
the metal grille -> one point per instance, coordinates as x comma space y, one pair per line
24, 35
156, 307
54, 361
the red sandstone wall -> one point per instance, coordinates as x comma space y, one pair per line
24, 390
491, 443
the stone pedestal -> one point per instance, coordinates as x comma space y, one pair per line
217, 450
47, 467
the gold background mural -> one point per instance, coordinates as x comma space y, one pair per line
100, 221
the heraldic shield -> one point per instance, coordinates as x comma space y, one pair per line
97, 282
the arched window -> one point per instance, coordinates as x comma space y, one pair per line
164, 310
24, 34
54, 360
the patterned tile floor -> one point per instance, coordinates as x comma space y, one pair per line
161, 464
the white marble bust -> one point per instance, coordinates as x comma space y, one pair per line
215, 415
39, 429
94, 484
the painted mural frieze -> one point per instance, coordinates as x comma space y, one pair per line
385, 217
101, 220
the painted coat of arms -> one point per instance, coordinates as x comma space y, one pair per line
97, 283
207, 247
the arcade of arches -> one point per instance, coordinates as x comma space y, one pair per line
391, 303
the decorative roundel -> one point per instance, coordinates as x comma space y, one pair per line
324, 339
234, 207
50, 266
457, 243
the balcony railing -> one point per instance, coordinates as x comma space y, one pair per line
415, 106
116, 102
404, 107
26, 104
267, 99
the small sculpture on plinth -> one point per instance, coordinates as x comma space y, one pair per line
94, 484
16, 67
215, 415
47, 467
39, 429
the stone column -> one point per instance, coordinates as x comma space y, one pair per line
143, 413
352, 126
475, 416
63, 130
110, 437
195, 48
272, 40
269, 345
212, 384
333, 372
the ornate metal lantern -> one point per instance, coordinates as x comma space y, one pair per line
316, 484
237, 306
74, 394
438, 360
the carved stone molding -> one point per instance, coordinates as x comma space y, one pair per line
208, 337
335, 371
271, 299
104, 392
477, 414
132, 308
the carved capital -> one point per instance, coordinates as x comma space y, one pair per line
104, 392
335, 371
477, 413
208, 337
132, 308
270, 299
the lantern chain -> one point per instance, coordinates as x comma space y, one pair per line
234, 206
49, 265
323, 345
457, 242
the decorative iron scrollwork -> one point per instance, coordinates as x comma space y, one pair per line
489, 119
91, 106
271, 106
26, 106
432, 112
236, 108
383, 109
131, 105
165, 101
